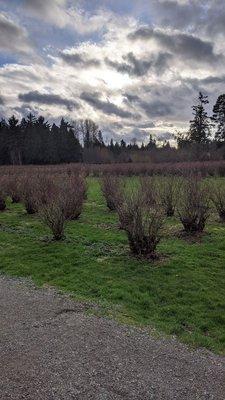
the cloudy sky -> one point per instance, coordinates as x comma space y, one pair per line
133, 66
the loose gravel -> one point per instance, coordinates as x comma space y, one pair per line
51, 349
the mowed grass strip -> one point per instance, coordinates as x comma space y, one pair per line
182, 294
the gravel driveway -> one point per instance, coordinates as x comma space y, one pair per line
50, 349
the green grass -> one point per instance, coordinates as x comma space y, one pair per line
183, 294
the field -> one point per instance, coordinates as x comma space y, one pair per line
206, 168
182, 293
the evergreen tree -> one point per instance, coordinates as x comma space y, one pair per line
62, 143
182, 139
166, 144
111, 145
44, 144
200, 125
4, 151
74, 147
151, 144
68, 146
116, 149
218, 118
14, 141
98, 139
34, 141
123, 144
133, 144
54, 134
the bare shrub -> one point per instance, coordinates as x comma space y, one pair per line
217, 195
194, 205
168, 190
2, 202
13, 187
75, 194
2, 195
46, 189
111, 188
35, 190
64, 201
28, 192
142, 223
52, 214
51, 205
178, 168
149, 188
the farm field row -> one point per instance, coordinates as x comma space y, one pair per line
182, 293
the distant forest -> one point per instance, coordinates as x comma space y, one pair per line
34, 141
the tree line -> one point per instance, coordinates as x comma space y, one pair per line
34, 141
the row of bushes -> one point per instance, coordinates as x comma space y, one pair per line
206, 168
56, 199
142, 203
143, 206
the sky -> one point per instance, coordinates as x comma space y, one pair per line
133, 66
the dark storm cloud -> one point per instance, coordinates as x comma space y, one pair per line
156, 108
133, 66
209, 85
162, 62
105, 106
13, 38
176, 14
207, 16
170, 99
119, 66
78, 60
182, 44
213, 79
1, 101
137, 67
153, 108
51, 99
209, 80
131, 97
145, 125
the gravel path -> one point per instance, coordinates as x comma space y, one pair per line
50, 349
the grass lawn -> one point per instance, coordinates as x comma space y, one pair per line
183, 294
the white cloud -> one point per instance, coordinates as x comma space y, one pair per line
53, 11
62, 14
